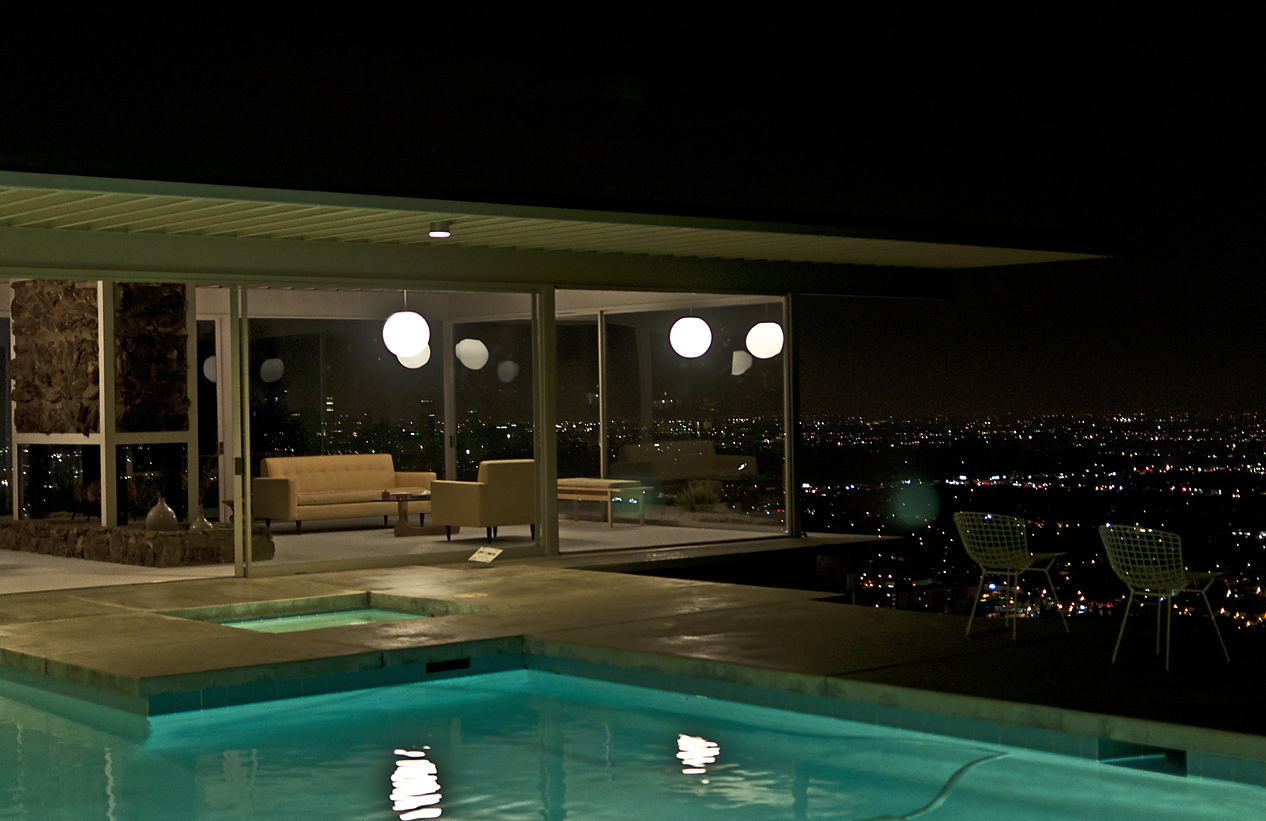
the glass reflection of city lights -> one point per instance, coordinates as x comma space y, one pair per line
414, 786
472, 353
272, 370
740, 363
507, 371
208, 368
405, 333
765, 340
690, 337
694, 752
417, 361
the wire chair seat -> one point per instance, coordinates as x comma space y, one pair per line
999, 545
1150, 563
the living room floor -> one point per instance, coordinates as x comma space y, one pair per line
359, 538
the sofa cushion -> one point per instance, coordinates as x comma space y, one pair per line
342, 472
340, 497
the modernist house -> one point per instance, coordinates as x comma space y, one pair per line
264, 268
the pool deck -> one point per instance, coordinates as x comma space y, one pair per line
1049, 690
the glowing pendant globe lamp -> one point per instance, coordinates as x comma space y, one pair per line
764, 340
472, 353
406, 333
415, 362
272, 370
690, 337
507, 371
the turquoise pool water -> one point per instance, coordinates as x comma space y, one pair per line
531, 745
315, 621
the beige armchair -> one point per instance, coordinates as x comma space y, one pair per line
504, 494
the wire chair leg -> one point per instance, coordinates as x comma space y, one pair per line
1159, 602
1121, 632
1214, 619
1054, 595
976, 601
1013, 603
1169, 618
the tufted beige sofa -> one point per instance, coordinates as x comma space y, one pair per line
503, 494
337, 486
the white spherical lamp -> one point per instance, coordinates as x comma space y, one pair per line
507, 371
415, 362
271, 370
764, 340
208, 368
740, 363
690, 337
406, 333
472, 353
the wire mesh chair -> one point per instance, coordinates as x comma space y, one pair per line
1000, 546
1150, 563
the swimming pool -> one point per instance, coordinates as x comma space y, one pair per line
532, 745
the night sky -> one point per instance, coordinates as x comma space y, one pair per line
1107, 129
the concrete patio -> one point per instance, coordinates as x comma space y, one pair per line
112, 643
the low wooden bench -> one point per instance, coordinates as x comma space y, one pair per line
602, 490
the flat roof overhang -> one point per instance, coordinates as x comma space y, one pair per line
55, 226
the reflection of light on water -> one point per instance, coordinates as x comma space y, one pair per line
694, 752
414, 785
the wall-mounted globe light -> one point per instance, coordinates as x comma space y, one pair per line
271, 370
507, 371
405, 333
472, 353
740, 363
415, 362
208, 368
764, 340
690, 337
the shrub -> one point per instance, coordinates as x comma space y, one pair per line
699, 493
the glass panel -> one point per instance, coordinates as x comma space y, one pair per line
61, 481
493, 385
702, 433
331, 386
149, 473
579, 452
209, 434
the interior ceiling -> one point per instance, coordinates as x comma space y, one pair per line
315, 217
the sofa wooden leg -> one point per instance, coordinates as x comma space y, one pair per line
490, 535
448, 533
298, 527
532, 530
384, 521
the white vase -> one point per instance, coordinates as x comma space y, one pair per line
201, 525
161, 517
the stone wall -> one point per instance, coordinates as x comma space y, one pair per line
55, 371
151, 358
130, 545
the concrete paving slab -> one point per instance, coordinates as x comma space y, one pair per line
222, 660
816, 638
38, 607
61, 637
206, 592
